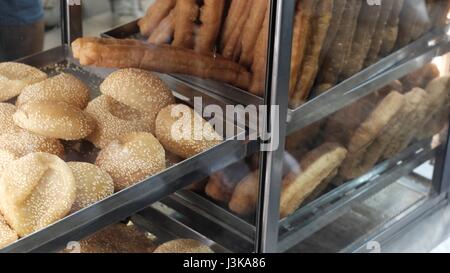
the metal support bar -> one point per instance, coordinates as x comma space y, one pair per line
276, 100
441, 176
71, 21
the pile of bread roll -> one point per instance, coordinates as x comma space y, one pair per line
346, 145
130, 123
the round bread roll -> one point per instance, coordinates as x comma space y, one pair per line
20, 143
175, 129
7, 125
7, 235
93, 184
14, 77
183, 246
132, 158
54, 119
138, 89
118, 238
115, 119
35, 191
63, 87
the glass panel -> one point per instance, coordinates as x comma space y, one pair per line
368, 165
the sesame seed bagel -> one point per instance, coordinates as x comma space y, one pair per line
7, 235
132, 158
93, 184
7, 125
35, 191
175, 134
54, 119
115, 119
138, 89
63, 87
20, 143
14, 77
183, 246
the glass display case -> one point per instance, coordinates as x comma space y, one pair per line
331, 116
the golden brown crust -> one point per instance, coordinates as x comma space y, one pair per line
184, 132
115, 53
92, 184
412, 19
260, 59
155, 13
14, 77
316, 167
117, 238
392, 27
381, 117
237, 7
377, 39
63, 87
132, 158
245, 195
367, 23
115, 119
183, 246
421, 77
54, 120
186, 13
138, 89
232, 46
35, 191
310, 66
250, 31
211, 21
340, 50
163, 34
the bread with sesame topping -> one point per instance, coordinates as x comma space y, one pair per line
138, 89
14, 77
18, 144
7, 125
93, 184
132, 158
7, 234
183, 246
54, 119
115, 119
184, 132
36, 191
63, 87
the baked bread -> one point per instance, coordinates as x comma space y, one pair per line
35, 191
380, 118
114, 119
138, 89
391, 32
63, 87
7, 234
92, 183
7, 125
55, 120
221, 185
18, 144
14, 77
154, 15
132, 158
183, 246
316, 167
245, 196
421, 77
184, 132
117, 238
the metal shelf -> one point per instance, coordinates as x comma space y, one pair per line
127, 202
311, 217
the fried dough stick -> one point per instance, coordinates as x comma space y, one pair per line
186, 13
116, 53
155, 14
211, 18
163, 34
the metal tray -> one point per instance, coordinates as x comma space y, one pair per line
310, 218
127, 202
372, 78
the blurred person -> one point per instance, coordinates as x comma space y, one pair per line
22, 28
